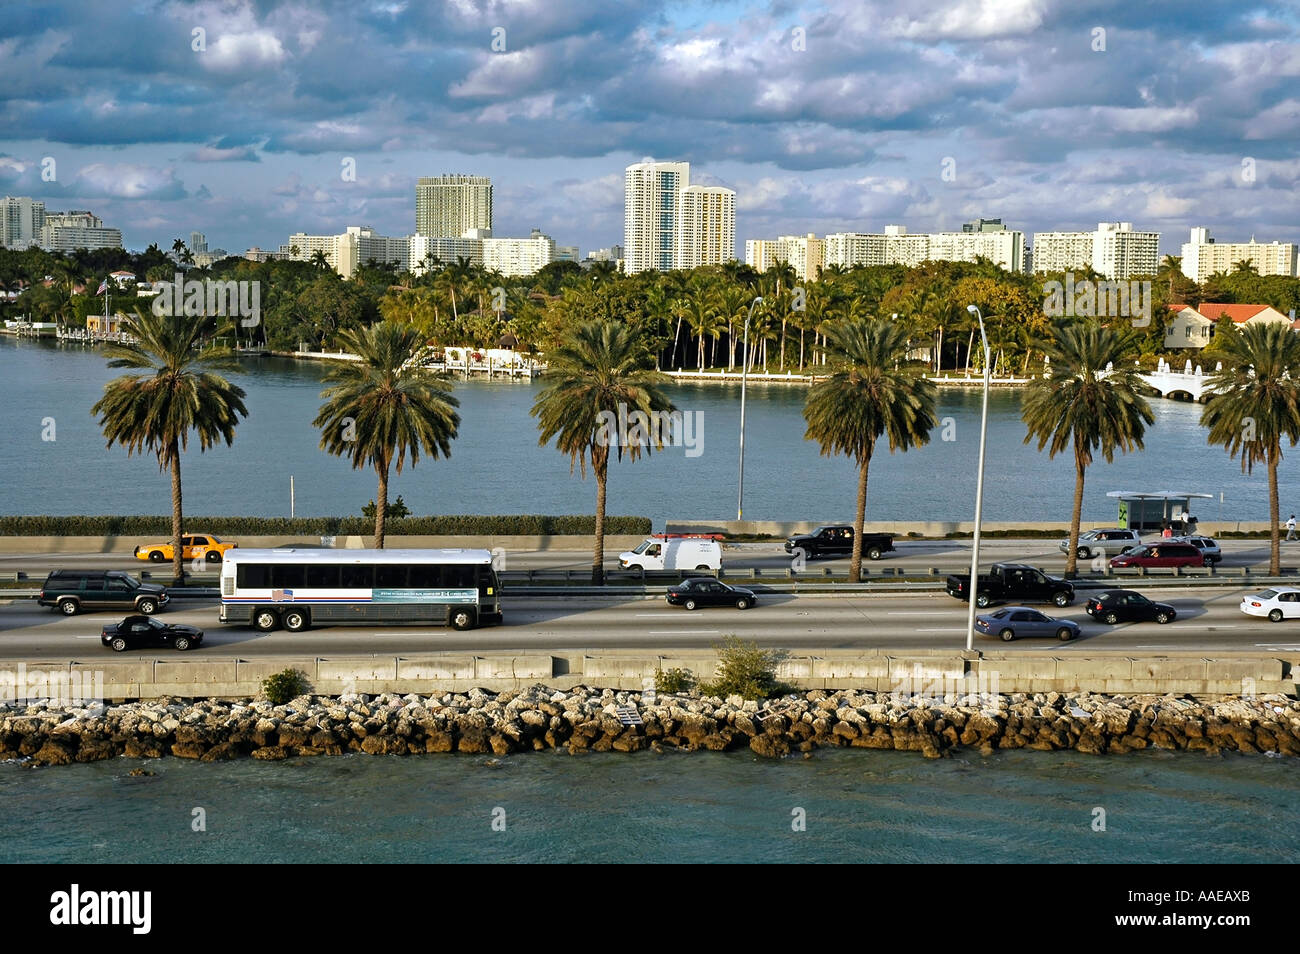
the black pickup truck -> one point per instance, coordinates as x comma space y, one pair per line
837, 541
1013, 582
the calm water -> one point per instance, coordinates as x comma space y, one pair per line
705, 807
497, 466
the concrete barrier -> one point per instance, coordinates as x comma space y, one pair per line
925, 673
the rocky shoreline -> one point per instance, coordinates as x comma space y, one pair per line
596, 720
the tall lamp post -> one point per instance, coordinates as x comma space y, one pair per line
744, 368
979, 488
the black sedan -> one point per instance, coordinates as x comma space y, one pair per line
1017, 622
1127, 606
705, 591
137, 632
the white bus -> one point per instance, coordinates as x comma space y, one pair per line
294, 588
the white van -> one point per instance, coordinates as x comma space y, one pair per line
673, 553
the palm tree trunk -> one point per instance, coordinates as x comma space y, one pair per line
601, 468
801, 349
672, 359
1072, 555
177, 550
855, 565
938, 353
970, 343
782, 344
381, 503
1274, 533
731, 347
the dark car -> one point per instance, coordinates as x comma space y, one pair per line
75, 590
1166, 553
705, 591
1018, 622
1127, 606
137, 632
837, 540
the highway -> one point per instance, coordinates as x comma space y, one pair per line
1209, 621
769, 557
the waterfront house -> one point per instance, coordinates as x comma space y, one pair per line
1194, 327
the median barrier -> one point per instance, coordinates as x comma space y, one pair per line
251, 672
520, 668
435, 668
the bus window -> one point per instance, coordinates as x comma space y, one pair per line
254, 576
458, 577
323, 576
287, 575
487, 581
390, 576
358, 576
425, 576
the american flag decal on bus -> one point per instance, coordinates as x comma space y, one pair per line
281, 595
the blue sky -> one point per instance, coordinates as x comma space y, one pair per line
1189, 115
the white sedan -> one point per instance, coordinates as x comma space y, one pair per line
1278, 603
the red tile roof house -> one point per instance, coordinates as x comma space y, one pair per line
1194, 327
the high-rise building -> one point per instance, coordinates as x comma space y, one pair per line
1002, 246
356, 246
450, 205
21, 221
705, 229
806, 254
651, 193
1114, 251
518, 256
424, 252
1203, 256
897, 246
198, 242
983, 225
68, 231
760, 254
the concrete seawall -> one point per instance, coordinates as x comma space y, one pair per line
918, 672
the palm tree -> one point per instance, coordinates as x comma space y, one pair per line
601, 374
873, 390
700, 311
1088, 401
385, 406
179, 392
320, 260
1254, 403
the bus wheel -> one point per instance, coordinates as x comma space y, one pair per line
295, 621
266, 620
462, 619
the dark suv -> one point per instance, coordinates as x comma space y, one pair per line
75, 590
838, 541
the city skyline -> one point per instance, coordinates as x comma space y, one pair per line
1169, 118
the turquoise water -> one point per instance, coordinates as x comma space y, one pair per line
860, 806
496, 465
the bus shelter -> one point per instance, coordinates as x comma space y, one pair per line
1152, 512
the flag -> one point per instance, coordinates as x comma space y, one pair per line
102, 287
281, 595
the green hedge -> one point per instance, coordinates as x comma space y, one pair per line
455, 525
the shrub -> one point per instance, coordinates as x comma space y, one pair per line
283, 686
448, 525
674, 680
745, 670
396, 510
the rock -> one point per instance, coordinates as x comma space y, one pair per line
769, 746
189, 750
54, 753
270, 753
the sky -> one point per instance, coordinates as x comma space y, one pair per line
242, 120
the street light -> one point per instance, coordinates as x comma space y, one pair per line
744, 368
979, 488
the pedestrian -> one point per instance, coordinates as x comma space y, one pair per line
1168, 532
1290, 527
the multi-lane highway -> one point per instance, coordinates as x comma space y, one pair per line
1209, 621
912, 555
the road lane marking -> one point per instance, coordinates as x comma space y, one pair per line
683, 632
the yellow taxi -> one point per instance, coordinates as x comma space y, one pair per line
198, 546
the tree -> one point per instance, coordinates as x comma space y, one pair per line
385, 407
597, 377
180, 392
873, 390
1254, 403
1089, 401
